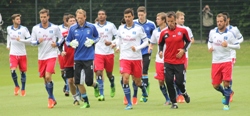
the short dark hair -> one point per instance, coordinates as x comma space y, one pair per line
129, 10
226, 13
13, 17
102, 11
171, 14
222, 15
69, 16
141, 9
123, 21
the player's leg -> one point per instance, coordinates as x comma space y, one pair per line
169, 80
65, 87
227, 78
49, 70
98, 68
23, 68
109, 65
216, 78
13, 66
180, 75
79, 78
231, 82
136, 72
69, 75
125, 70
160, 77
146, 62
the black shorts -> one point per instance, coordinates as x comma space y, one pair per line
146, 61
174, 70
69, 72
84, 72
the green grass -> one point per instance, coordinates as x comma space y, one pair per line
205, 101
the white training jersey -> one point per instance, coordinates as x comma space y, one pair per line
49, 35
154, 40
221, 54
238, 36
131, 36
17, 47
63, 29
190, 34
106, 33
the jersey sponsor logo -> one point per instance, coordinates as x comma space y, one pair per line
174, 35
51, 31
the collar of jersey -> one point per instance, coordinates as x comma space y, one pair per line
102, 25
125, 26
12, 27
217, 31
47, 27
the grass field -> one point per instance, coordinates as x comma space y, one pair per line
205, 101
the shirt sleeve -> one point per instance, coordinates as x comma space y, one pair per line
95, 34
8, 39
153, 38
114, 31
59, 36
34, 39
232, 42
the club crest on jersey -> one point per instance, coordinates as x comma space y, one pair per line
88, 31
19, 33
179, 33
106, 29
51, 31
133, 32
147, 28
225, 37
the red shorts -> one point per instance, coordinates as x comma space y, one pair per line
20, 61
61, 61
186, 64
221, 72
46, 66
102, 62
132, 67
159, 75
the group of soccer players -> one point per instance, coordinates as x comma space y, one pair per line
84, 48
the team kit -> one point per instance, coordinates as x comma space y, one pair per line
85, 50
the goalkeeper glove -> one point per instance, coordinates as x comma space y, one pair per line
74, 43
89, 42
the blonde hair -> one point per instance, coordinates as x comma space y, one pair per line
80, 11
162, 15
42, 11
179, 13
222, 15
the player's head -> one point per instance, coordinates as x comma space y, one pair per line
44, 15
180, 17
221, 21
123, 21
171, 19
71, 19
141, 12
16, 19
81, 16
101, 15
65, 15
161, 18
228, 17
129, 15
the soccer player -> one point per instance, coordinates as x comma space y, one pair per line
159, 64
148, 26
68, 55
15, 43
82, 36
240, 38
177, 41
221, 41
63, 28
104, 55
129, 40
45, 35
180, 19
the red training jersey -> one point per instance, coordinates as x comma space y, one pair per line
174, 39
69, 57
